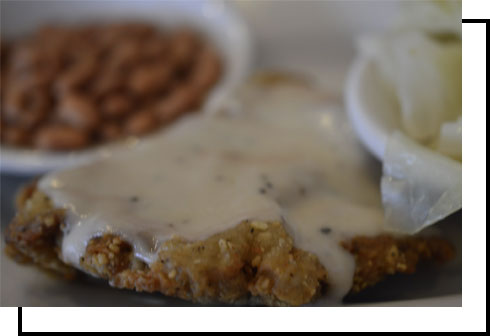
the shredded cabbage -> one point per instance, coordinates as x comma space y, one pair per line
425, 76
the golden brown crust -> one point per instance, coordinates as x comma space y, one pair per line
253, 260
35, 232
250, 259
377, 257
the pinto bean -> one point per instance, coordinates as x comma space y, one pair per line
77, 75
206, 71
125, 54
61, 137
110, 131
115, 105
25, 107
140, 123
25, 56
183, 46
156, 49
149, 79
78, 111
108, 82
16, 136
180, 100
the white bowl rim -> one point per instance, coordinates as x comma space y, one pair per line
373, 135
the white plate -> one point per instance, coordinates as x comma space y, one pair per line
372, 111
217, 20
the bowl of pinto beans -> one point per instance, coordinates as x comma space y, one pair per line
82, 80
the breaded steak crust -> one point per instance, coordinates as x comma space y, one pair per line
254, 260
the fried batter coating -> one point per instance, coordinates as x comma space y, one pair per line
253, 261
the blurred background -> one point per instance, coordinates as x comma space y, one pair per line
317, 38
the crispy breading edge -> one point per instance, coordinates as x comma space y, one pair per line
252, 260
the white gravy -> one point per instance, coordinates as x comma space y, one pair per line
287, 156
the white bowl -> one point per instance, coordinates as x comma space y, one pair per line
215, 19
372, 110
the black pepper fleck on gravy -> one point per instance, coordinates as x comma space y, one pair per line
325, 230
